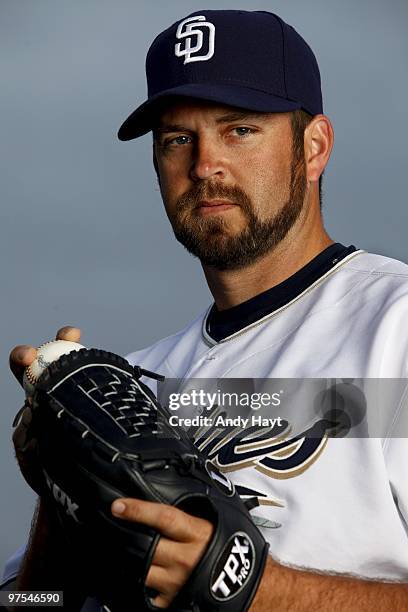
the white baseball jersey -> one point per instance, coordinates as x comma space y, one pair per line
342, 505
337, 505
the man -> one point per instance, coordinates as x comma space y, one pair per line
240, 145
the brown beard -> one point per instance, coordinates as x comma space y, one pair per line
208, 239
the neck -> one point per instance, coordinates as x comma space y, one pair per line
232, 287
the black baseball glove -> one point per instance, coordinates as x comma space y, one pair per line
101, 434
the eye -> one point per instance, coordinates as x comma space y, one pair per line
177, 140
242, 130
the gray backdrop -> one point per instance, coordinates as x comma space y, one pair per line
83, 236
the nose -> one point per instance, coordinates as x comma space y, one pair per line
207, 160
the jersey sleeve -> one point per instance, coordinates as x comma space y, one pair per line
12, 566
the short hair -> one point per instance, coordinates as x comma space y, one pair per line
300, 119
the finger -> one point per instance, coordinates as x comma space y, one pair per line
20, 357
162, 580
165, 555
170, 554
161, 601
70, 333
169, 521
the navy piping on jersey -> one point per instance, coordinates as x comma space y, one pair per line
224, 323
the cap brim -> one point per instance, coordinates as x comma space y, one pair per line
144, 118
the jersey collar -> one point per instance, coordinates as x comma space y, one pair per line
219, 326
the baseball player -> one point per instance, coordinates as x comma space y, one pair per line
240, 145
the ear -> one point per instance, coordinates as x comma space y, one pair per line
318, 143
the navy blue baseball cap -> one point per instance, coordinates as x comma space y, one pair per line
247, 59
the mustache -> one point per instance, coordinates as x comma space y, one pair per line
211, 191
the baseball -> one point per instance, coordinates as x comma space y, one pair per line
46, 354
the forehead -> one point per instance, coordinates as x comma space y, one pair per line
179, 111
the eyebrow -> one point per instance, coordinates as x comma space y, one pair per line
170, 127
228, 118
240, 116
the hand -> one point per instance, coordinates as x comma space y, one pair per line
24, 443
183, 543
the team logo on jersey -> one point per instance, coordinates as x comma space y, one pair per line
233, 568
273, 451
199, 39
220, 479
